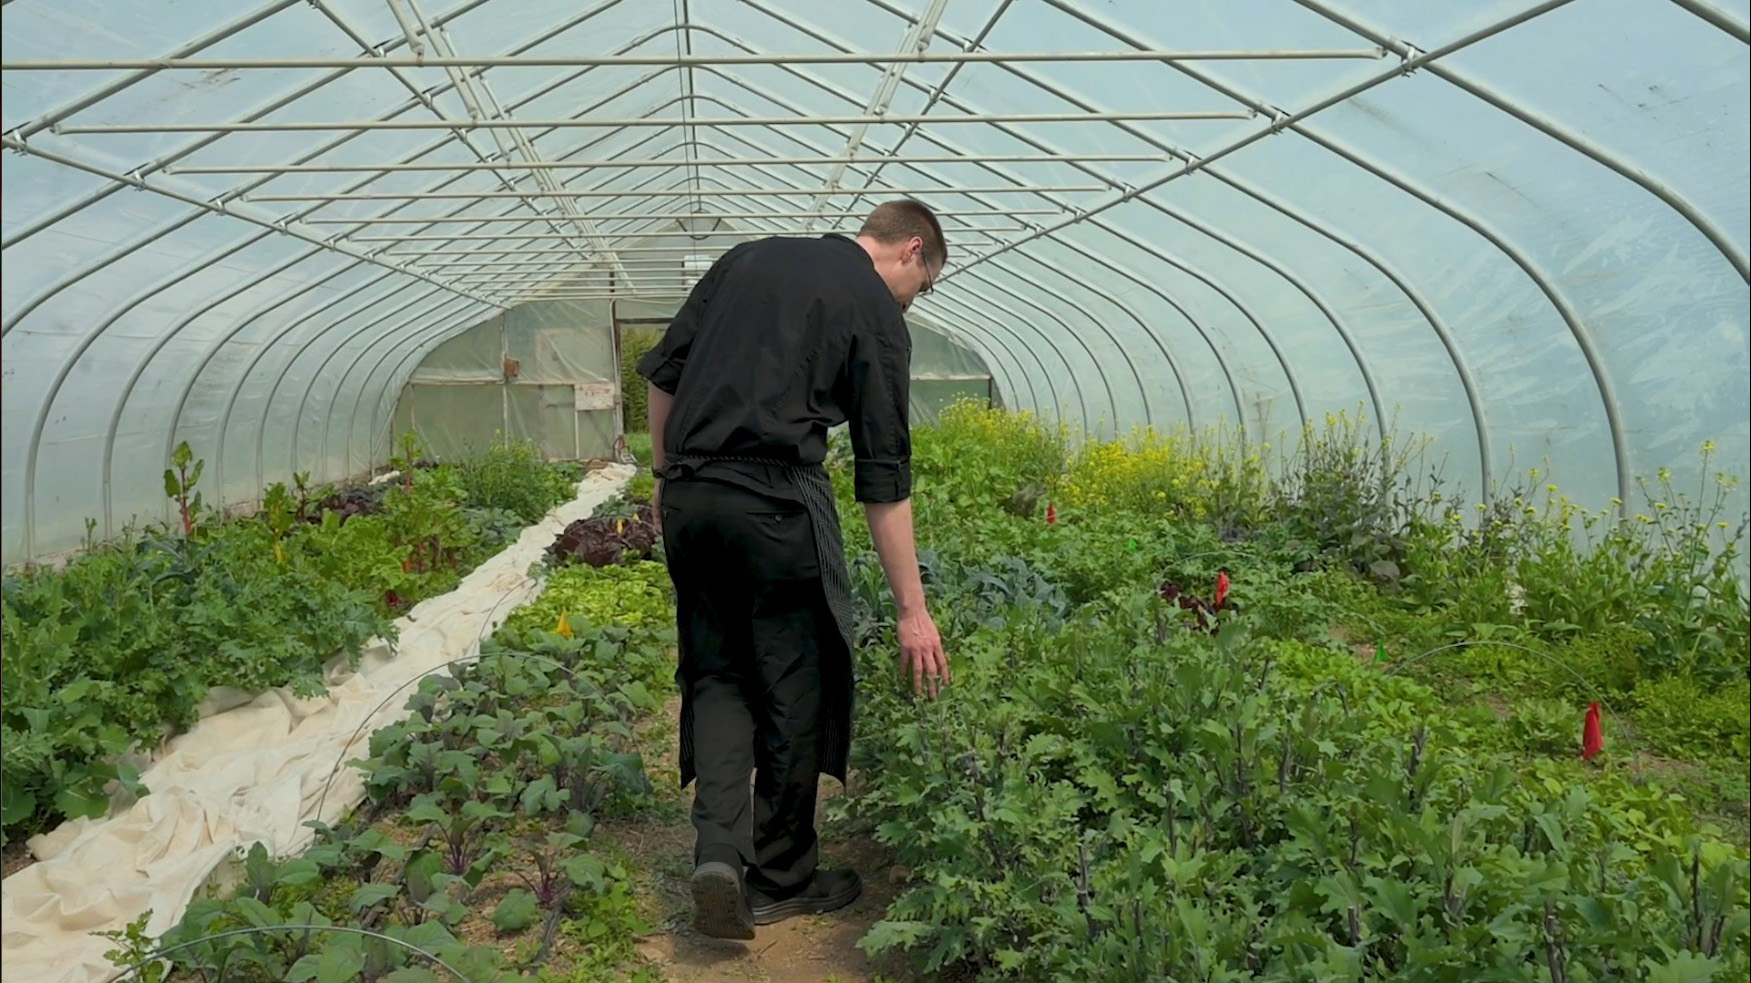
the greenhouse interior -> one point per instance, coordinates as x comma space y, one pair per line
1326, 439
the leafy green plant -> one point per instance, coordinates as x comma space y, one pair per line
515, 477
179, 486
637, 595
634, 343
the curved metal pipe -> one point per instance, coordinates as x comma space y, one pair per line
1556, 131
1143, 326
1582, 336
1718, 18
1297, 123
973, 159
224, 420
161, 163
45, 406
1461, 367
1101, 326
1081, 400
145, 361
321, 369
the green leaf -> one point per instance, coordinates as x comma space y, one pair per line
371, 894
83, 799
16, 804
516, 912
1684, 967
586, 872
172, 487
340, 961
426, 809
1553, 831
254, 912
298, 873
1394, 899
541, 795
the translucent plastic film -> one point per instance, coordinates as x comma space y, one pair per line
1518, 228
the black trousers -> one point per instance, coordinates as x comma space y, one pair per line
752, 622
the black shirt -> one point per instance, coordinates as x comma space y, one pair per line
780, 340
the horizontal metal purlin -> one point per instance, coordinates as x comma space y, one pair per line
672, 193
520, 165
292, 126
657, 216
646, 234
680, 60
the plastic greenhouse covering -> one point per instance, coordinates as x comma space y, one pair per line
289, 232
1520, 228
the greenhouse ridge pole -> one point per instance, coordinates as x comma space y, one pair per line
666, 122
513, 165
916, 40
930, 101
460, 83
682, 61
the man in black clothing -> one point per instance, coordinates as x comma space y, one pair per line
780, 340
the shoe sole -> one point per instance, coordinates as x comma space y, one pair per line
719, 908
792, 907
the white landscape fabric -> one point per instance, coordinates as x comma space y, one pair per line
252, 773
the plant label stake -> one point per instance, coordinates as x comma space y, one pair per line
1592, 737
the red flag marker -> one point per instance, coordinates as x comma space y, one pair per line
1221, 587
1592, 738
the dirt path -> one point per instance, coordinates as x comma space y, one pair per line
821, 949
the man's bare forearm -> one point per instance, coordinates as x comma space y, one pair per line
657, 409
890, 527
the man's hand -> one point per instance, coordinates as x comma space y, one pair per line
921, 654
657, 506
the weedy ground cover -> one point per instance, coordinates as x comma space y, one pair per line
117, 649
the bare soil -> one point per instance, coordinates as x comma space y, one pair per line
14, 858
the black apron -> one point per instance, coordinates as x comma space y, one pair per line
838, 673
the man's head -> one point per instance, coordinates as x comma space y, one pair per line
904, 240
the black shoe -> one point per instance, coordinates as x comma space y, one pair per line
720, 904
828, 890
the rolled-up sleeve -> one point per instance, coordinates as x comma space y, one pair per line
878, 372
662, 365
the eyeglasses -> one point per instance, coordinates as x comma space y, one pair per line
929, 280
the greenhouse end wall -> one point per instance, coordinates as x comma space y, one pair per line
542, 372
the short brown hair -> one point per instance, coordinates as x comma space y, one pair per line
903, 218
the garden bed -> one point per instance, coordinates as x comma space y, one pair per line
1203, 724
1393, 745
215, 785
472, 849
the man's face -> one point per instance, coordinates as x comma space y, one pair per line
915, 276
